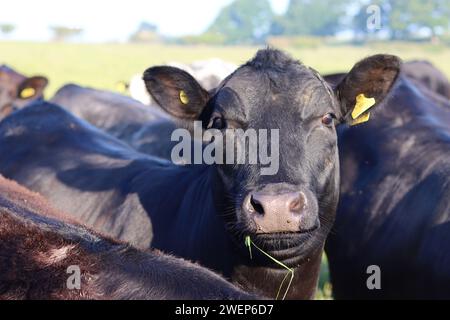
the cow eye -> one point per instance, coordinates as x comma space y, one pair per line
217, 122
328, 119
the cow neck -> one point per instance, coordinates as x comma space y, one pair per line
183, 215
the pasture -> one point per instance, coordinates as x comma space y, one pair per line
104, 65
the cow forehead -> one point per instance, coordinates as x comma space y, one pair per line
275, 79
300, 86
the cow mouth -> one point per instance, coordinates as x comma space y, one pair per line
290, 248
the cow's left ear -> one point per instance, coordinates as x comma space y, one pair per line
32, 87
366, 85
176, 91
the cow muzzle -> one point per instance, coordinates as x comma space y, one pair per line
278, 208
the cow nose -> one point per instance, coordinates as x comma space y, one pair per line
289, 203
280, 212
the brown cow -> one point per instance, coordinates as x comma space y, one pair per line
40, 250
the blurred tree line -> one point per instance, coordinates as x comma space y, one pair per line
250, 22
7, 28
146, 32
305, 22
63, 33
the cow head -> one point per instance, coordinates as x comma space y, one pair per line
290, 212
16, 90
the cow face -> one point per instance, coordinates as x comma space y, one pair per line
16, 90
288, 213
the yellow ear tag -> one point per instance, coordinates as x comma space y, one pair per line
361, 119
121, 87
362, 105
27, 93
183, 97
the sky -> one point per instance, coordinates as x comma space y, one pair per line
112, 20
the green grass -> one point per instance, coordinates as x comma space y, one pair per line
103, 65
324, 287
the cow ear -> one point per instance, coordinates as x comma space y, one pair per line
176, 91
366, 85
32, 87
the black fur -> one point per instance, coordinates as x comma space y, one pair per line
394, 211
196, 211
145, 128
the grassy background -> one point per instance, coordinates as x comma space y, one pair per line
104, 65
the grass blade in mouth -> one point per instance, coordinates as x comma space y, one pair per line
249, 243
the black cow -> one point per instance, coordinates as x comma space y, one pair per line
205, 212
426, 73
394, 210
423, 73
40, 251
145, 128
17, 90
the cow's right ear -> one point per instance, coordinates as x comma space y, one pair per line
176, 91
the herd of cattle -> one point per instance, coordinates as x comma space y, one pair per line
88, 182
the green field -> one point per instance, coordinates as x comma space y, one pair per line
104, 65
